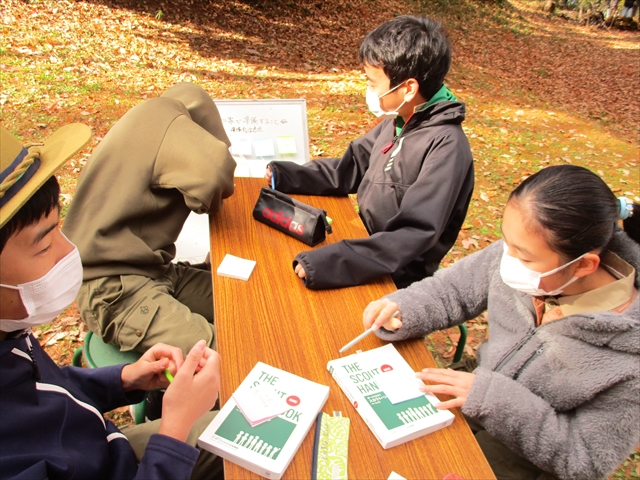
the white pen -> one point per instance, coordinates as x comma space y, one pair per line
362, 335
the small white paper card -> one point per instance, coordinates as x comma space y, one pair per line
260, 402
399, 388
395, 476
242, 167
257, 168
264, 147
236, 267
240, 146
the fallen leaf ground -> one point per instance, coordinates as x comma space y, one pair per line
540, 90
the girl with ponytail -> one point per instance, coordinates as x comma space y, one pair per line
556, 391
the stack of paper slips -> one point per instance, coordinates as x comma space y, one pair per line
236, 267
260, 403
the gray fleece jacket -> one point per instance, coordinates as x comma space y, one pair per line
565, 395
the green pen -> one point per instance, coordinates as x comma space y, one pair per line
167, 374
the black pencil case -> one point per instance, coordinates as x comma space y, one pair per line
298, 220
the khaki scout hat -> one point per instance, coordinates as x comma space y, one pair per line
25, 171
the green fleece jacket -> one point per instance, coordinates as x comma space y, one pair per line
164, 158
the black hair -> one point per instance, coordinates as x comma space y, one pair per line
40, 205
572, 207
409, 47
632, 224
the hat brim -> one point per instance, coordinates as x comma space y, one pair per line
57, 149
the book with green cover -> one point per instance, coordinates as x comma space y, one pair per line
363, 378
267, 448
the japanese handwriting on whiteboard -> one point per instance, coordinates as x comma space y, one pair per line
249, 124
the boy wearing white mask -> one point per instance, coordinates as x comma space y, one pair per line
413, 172
52, 424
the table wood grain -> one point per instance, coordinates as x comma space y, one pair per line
273, 318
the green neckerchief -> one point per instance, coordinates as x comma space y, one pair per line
442, 95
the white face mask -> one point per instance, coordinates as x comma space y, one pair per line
373, 102
520, 278
45, 298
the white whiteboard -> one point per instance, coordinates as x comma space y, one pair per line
192, 244
265, 130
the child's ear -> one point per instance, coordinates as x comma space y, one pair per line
587, 265
413, 89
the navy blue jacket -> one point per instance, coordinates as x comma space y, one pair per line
413, 192
52, 427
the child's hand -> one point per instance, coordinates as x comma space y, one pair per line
191, 395
268, 175
449, 382
380, 313
300, 271
148, 372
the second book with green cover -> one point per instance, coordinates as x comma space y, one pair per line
371, 381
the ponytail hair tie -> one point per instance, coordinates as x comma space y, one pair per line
626, 208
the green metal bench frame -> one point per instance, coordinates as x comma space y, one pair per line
461, 343
95, 353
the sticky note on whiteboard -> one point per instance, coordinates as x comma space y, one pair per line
264, 147
240, 146
286, 145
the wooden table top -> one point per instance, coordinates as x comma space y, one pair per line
273, 318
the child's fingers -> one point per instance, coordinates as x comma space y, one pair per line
393, 324
443, 389
161, 350
385, 315
462, 380
193, 359
210, 371
212, 359
455, 403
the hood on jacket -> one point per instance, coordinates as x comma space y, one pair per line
441, 113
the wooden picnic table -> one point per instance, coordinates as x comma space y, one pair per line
275, 319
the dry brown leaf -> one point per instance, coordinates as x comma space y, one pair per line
449, 353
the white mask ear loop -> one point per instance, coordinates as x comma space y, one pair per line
373, 102
395, 111
561, 267
389, 91
525, 280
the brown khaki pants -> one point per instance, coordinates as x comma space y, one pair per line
136, 312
